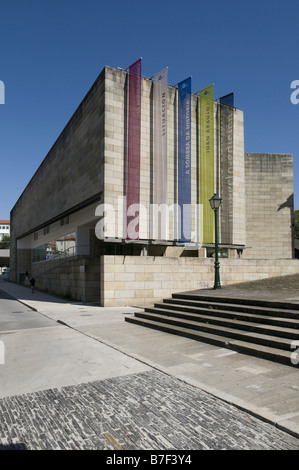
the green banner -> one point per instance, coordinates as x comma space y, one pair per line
207, 182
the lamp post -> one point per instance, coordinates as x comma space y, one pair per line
215, 202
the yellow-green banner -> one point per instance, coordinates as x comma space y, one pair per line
207, 161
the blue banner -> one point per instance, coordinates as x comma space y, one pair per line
184, 160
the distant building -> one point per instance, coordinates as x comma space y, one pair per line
4, 228
4, 249
133, 145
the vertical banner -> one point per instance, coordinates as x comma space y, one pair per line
133, 164
207, 182
160, 95
184, 160
226, 166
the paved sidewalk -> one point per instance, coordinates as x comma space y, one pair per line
91, 343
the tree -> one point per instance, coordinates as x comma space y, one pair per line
4, 243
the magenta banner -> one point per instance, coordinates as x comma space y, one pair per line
133, 167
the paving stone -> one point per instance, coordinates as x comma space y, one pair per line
143, 411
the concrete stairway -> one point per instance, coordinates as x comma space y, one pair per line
260, 328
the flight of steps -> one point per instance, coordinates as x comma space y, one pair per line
260, 328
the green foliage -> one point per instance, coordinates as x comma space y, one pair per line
4, 243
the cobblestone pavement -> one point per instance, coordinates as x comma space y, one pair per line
142, 411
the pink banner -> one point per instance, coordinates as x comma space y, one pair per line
160, 150
133, 168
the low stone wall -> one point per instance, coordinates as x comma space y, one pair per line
143, 280
75, 278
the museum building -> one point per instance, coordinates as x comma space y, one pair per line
118, 211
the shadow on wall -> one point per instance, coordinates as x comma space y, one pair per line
288, 203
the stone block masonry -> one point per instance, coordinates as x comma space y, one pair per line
87, 166
269, 206
143, 280
70, 174
75, 278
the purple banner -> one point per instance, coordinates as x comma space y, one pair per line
133, 168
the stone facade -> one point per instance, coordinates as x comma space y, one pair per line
87, 167
115, 149
143, 280
269, 206
76, 278
70, 176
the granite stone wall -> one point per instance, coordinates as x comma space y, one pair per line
143, 280
72, 172
269, 206
75, 278
88, 161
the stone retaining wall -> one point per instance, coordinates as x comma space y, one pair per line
75, 278
143, 280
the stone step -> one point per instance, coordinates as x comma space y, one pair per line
235, 331
261, 328
238, 301
269, 309
209, 310
258, 350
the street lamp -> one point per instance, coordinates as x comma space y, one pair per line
215, 202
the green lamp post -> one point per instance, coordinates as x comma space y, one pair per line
215, 202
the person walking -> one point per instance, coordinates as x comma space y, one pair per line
32, 283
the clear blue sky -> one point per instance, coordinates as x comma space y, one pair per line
53, 50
